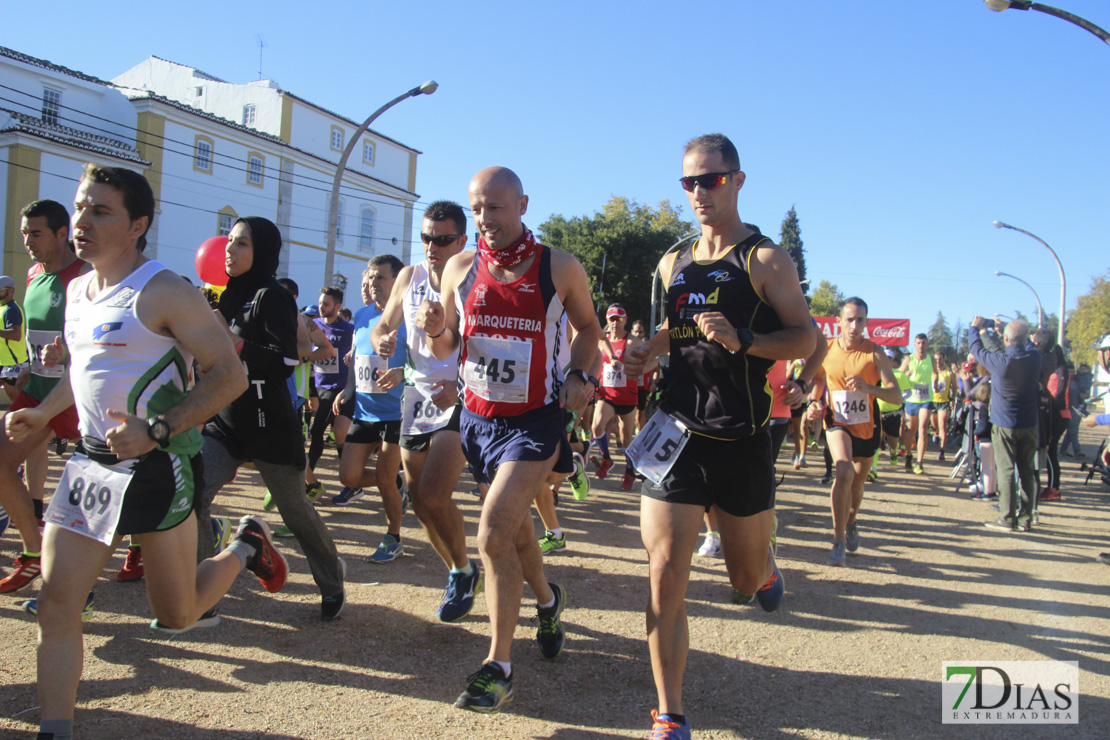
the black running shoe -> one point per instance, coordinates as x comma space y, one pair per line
550, 633
486, 690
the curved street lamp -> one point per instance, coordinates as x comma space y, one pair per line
1063, 281
655, 276
1040, 311
427, 88
999, 5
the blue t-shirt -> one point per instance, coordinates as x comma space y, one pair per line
377, 406
331, 374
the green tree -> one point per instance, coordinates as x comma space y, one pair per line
619, 248
826, 300
1089, 321
959, 334
790, 238
940, 336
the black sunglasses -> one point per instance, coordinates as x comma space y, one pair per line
440, 241
708, 181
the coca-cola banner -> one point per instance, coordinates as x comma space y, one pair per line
888, 332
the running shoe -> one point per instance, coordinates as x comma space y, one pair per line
711, 546
389, 550
802, 461
918, 470
872, 475
5, 520
268, 502
458, 597
332, 606
983, 496
1103, 557
283, 531
894, 457
132, 569
975, 488
210, 618
664, 728
314, 490
1050, 494
940, 457
909, 464
550, 633
27, 569
795, 463
266, 563
346, 496
1002, 525
60, 446
550, 543
579, 481
628, 480
826, 479
836, 555
603, 465
770, 594
486, 690
221, 532
31, 606
852, 543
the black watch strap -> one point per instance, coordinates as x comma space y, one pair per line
159, 430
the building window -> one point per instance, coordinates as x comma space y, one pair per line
202, 154
199, 91
248, 115
337, 138
226, 221
255, 167
51, 104
366, 230
368, 152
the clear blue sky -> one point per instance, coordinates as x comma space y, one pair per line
899, 130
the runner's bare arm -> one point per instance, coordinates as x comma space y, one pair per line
574, 288
14, 334
890, 392
440, 321
21, 423
323, 348
171, 307
660, 343
392, 316
775, 278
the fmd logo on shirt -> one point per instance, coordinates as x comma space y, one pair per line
105, 328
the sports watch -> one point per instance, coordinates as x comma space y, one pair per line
746, 337
159, 430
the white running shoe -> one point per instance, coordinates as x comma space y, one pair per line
711, 547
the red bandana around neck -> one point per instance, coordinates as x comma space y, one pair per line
513, 255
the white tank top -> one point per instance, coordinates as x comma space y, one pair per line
424, 368
116, 361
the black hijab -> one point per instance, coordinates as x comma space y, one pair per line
266, 241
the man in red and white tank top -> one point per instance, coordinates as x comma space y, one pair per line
507, 306
617, 394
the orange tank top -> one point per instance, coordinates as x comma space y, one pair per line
850, 409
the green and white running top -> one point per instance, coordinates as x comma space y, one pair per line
117, 362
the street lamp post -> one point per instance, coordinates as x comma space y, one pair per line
1063, 280
999, 5
427, 88
1040, 311
655, 276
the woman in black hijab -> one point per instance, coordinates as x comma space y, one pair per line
260, 425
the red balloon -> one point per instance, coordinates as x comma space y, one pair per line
211, 255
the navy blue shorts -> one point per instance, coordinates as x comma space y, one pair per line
532, 436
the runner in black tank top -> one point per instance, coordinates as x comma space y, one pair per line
734, 306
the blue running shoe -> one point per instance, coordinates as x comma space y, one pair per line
836, 555
486, 690
664, 728
852, 543
770, 595
221, 532
389, 550
5, 520
31, 606
458, 597
346, 496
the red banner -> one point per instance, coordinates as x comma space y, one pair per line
887, 332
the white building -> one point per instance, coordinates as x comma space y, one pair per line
212, 151
52, 121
